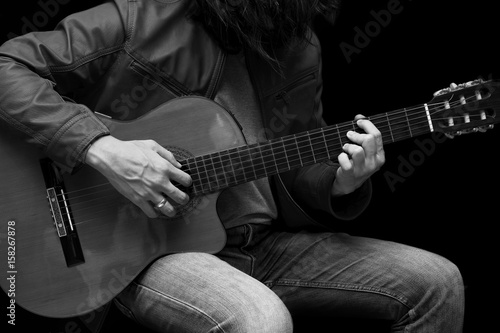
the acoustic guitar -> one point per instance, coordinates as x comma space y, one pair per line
70, 243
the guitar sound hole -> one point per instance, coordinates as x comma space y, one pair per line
183, 211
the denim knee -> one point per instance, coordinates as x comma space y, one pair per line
439, 291
267, 315
443, 281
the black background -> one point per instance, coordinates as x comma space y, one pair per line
447, 203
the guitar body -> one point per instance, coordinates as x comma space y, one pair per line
117, 240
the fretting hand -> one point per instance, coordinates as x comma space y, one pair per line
360, 159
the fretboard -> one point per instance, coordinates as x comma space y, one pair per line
219, 170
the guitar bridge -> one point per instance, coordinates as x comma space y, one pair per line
61, 214
57, 214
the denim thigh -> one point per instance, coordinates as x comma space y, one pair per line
335, 274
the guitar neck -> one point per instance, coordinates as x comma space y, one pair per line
469, 107
216, 171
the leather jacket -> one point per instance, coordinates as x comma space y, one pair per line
124, 58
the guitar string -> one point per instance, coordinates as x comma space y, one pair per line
85, 189
283, 143
327, 151
100, 203
247, 152
374, 118
322, 143
236, 151
104, 206
349, 124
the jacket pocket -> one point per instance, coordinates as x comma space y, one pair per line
283, 92
290, 107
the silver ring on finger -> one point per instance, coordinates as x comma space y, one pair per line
162, 203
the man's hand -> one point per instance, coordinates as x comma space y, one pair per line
142, 171
360, 159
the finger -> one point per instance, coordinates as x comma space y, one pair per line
359, 116
356, 152
180, 176
164, 207
367, 141
175, 194
345, 162
367, 126
175, 174
371, 129
167, 154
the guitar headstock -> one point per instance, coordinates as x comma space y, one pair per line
466, 108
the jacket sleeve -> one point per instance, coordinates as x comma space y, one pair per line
311, 186
40, 71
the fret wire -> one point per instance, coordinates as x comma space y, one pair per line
408, 122
324, 140
297, 145
202, 170
258, 149
211, 173
389, 123
251, 159
291, 150
340, 138
401, 128
216, 174
267, 157
284, 151
240, 168
195, 176
306, 150
312, 149
205, 172
244, 163
318, 144
232, 175
222, 174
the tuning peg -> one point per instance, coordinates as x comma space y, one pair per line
442, 91
455, 87
483, 129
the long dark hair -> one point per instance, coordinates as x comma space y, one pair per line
264, 26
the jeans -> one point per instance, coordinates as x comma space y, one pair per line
264, 276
